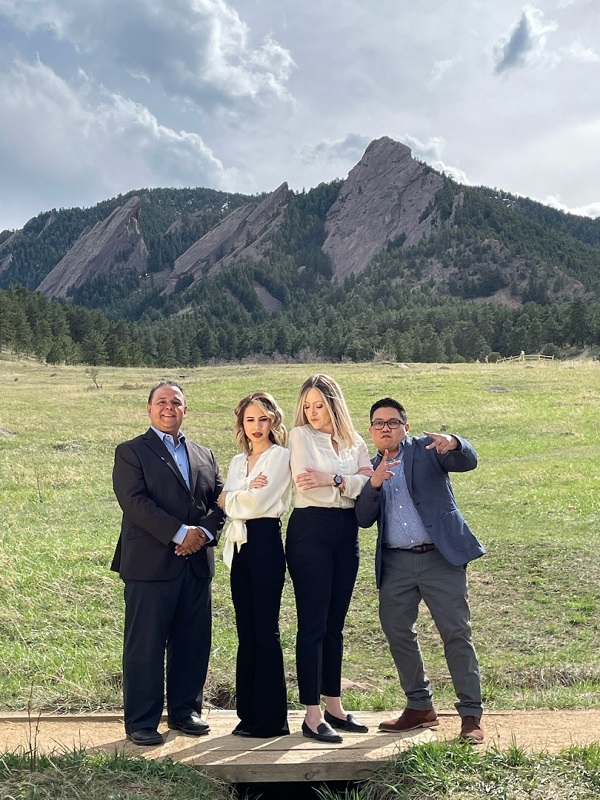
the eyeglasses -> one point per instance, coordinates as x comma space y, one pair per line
379, 424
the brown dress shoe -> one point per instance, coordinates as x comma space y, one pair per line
471, 730
410, 720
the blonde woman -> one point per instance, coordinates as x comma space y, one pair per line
330, 465
256, 494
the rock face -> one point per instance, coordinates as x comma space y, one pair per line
266, 299
5, 262
113, 245
10, 240
245, 233
387, 195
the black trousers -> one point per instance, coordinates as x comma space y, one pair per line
322, 555
257, 577
165, 616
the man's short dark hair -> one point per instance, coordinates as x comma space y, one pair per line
160, 384
388, 402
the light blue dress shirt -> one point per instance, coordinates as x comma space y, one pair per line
403, 526
180, 456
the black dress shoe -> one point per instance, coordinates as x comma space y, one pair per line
193, 725
350, 724
145, 736
240, 732
325, 733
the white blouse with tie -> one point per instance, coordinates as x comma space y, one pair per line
243, 503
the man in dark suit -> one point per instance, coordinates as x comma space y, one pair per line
167, 488
423, 547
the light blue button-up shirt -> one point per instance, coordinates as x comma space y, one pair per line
180, 456
403, 526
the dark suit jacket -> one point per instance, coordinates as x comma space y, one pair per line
429, 486
155, 502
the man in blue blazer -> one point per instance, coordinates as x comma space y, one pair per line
423, 548
167, 487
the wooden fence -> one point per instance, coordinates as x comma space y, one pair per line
526, 357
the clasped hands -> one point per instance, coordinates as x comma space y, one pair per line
195, 539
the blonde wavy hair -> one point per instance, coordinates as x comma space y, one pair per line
334, 402
268, 405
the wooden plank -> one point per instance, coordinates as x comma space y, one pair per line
236, 759
233, 759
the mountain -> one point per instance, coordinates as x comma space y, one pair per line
396, 258
483, 244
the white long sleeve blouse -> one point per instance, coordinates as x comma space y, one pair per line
243, 503
314, 449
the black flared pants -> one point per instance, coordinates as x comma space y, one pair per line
257, 577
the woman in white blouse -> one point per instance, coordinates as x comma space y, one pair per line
330, 465
256, 494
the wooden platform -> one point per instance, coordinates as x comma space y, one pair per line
234, 759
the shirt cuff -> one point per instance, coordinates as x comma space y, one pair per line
181, 533
209, 536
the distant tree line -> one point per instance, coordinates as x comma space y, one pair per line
419, 329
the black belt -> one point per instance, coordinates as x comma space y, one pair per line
422, 548
418, 548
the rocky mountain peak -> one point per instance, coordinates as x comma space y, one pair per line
387, 196
245, 233
112, 244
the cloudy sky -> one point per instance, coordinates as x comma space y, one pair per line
99, 97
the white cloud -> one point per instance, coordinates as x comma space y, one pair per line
441, 68
578, 52
245, 94
431, 152
350, 148
196, 49
92, 144
590, 210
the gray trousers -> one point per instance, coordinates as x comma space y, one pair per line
407, 578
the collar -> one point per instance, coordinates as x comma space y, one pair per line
162, 435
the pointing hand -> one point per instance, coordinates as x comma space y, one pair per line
442, 442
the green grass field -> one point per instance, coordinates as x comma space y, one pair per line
534, 502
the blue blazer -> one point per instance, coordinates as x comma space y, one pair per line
429, 486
